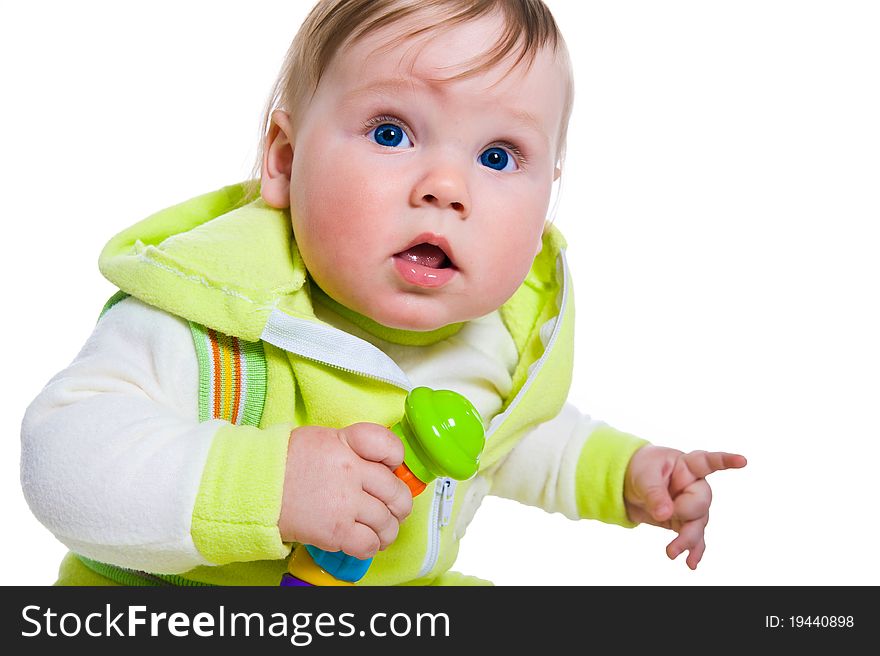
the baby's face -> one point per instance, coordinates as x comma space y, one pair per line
421, 204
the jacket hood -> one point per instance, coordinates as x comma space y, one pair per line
229, 265
213, 260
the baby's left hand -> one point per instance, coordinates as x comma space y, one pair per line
667, 488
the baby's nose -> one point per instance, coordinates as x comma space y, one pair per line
443, 187
458, 207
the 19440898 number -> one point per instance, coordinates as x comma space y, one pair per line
810, 621
822, 621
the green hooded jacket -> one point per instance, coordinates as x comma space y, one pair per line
233, 269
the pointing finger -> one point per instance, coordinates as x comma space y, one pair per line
703, 463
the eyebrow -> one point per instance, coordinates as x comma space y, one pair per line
522, 116
390, 84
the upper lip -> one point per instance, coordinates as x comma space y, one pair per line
435, 240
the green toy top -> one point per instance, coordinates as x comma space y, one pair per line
442, 434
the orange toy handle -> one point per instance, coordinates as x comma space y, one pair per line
415, 485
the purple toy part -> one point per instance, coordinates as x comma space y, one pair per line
290, 581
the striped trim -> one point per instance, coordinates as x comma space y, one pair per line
131, 577
232, 386
232, 377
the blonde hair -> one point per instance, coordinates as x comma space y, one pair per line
331, 24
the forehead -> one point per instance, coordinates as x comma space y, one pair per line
387, 61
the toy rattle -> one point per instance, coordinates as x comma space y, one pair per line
442, 435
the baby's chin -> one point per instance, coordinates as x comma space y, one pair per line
419, 313
416, 320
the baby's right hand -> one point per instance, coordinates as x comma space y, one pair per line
340, 492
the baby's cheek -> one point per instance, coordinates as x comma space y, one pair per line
331, 214
324, 195
517, 251
507, 264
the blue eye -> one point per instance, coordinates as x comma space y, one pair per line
498, 159
388, 134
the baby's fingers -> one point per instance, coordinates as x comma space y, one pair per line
375, 515
693, 502
658, 503
381, 483
703, 463
691, 539
695, 555
374, 442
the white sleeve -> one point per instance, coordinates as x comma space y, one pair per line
112, 449
541, 470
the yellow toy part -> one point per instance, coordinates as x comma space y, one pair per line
305, 569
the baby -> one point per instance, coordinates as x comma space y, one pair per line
235, 396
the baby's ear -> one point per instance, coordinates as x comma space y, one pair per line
277, 162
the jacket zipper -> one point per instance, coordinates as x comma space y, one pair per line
444, 494
332, 347
441, 513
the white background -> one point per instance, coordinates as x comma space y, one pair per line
721, 201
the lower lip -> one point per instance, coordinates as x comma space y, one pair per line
417, 274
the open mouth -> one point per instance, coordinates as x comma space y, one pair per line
427, 255
426, 262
